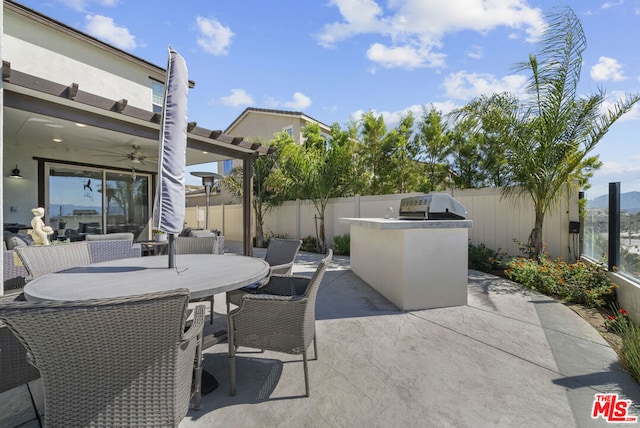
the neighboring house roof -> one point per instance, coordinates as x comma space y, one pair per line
297, 114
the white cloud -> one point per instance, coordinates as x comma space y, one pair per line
607, 69
238, 97
360, 16
403, 56
626, 171
214, 37
392, 118
103, 27
415, 28
475, 52
299, 102
615, 96
612, 4
465, 86
81, 5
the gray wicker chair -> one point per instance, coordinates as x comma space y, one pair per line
14, 365
198, 245
103, 250
41, 260
113, 362
281, 254
281, 318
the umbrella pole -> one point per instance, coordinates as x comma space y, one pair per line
171, 251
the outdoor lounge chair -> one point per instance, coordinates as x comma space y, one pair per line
198, 245
281, 318
281, 254
113, 362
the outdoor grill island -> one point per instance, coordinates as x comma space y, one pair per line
418, 260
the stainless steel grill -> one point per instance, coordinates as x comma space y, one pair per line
433, 206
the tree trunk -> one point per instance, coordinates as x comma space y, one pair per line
259, 226
535, 238
321, 243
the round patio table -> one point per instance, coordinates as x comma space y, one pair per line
202, 274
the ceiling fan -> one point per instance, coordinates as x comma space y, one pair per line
137, 156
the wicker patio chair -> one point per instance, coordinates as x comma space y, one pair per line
14, 365
198, 245
41, 260
281, 254
281, 319
103, 250
113, 362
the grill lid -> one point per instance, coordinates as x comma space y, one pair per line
432, 206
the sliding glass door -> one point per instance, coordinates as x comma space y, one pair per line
85, 200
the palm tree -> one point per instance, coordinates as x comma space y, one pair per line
550, 135
316, 170
264, 197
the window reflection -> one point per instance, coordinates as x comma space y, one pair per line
83, 200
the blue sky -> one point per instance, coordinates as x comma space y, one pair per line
335, 59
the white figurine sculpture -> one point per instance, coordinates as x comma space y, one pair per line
40, 232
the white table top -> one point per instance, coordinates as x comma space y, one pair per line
202, 274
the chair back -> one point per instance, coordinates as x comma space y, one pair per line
195, 245
282, 252
106, 250
310, 293
41, 260
109, 362
16, 369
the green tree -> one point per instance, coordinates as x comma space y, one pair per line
435, 147
466, 155
372, 153
554, 130
403, 173
316, 171
264, 196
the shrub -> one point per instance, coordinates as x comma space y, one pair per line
485, 259
629, 333
342, 245
310, 244
580, 282
630, 351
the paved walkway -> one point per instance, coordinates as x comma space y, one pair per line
509, 358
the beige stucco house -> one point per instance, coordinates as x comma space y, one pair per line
80, 128
261, 125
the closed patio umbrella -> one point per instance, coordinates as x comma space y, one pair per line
169, 204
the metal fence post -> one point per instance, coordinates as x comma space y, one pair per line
614, 226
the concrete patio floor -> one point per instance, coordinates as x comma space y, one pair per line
509, 358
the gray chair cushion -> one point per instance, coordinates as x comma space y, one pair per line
125, 236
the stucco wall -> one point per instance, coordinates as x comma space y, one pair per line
45, 52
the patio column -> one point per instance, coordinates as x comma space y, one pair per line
247, 197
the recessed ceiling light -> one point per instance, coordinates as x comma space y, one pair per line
205, 153
80, 125
58, 140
